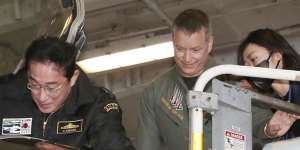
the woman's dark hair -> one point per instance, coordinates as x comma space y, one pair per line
273, 42
52, 50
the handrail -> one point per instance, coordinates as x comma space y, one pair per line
196, 125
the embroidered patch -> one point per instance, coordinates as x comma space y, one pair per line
170, 108
68, 127
176, 99
111, 106
16, 126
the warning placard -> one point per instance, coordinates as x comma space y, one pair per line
234, 141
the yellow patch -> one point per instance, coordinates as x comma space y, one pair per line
68, 127
111, 106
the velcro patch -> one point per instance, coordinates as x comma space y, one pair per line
111, 106
16, 126
68, 127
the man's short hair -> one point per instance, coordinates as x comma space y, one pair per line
52, 50
191, 21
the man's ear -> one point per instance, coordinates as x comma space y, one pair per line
210, 43
74, 77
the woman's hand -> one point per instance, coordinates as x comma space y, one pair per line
280, 123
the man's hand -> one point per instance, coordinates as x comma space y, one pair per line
280, 123
47, 146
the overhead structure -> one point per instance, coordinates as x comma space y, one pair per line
153, 6
63, 19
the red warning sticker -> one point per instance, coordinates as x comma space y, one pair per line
234, 141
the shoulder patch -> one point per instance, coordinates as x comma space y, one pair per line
111, 107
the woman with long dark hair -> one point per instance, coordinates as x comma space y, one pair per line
267, 48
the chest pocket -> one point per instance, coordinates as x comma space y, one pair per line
172, 123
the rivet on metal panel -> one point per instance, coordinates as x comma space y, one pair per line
194, 97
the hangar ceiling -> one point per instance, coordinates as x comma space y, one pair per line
231, 19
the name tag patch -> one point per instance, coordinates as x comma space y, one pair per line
16, 126
68, 127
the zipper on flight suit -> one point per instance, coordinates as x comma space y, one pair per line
45, 123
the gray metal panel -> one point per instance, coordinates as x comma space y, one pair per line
232, 127
232, 95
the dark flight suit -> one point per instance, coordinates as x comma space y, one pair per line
89, 119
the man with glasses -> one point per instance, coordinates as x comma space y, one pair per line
55, 101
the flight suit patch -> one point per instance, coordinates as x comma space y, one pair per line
111, 106
16, 126
171, 109
176, 98
68, 127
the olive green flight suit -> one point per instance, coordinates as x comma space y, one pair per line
164, 119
